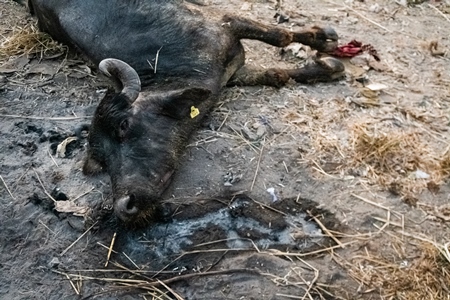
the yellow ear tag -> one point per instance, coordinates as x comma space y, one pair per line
194, 112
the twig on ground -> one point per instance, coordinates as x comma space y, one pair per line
387, 221
47, 227
147, 284
106, 247
253, 147
16, 185
134, 264
158, 294
42, 185
79, 238
51, 156
257, 165
73, 286
170, 290
370, 202
319, 169
83, 194
312, 282
325, 229
362, 16
304, 254
229, 239
268, 207
195, 252
6, 187
439, 12
207, 140
136, 272
79, 283
110, 249
223, 122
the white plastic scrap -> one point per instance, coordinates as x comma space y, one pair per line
376, 87
271, 191
421, 174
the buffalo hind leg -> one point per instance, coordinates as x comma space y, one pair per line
325, 69
322, 39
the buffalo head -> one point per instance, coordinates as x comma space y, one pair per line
137, 138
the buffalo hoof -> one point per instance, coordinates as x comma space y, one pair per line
322, 70
334, 67
324, 39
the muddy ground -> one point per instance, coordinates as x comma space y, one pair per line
255, 139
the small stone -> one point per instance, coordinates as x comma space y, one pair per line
54, 263
256, 125
281, 18
60, 78
248, 134
261, 131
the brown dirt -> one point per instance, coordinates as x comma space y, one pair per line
361, 155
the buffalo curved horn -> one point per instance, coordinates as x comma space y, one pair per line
121, 71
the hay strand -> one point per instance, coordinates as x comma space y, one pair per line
79, 238
110, 249
29, 40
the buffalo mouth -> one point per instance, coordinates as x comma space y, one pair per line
140, 206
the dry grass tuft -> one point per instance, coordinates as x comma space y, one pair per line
423, 275
404, 160
404, 148
400, 160
29, 40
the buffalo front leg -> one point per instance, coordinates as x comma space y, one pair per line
321, 70
321, 39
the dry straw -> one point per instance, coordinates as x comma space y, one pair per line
404, 271
405, 160
401, 160
29, 40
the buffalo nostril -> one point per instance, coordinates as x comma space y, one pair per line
131, 202
126, 207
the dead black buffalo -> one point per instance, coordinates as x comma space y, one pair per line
183, 54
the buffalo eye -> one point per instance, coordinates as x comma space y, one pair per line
123, 128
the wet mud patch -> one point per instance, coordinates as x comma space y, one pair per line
215, 248
201, 234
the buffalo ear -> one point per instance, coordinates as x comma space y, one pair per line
178, 105
91, 166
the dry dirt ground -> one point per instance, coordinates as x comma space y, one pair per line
366, 158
